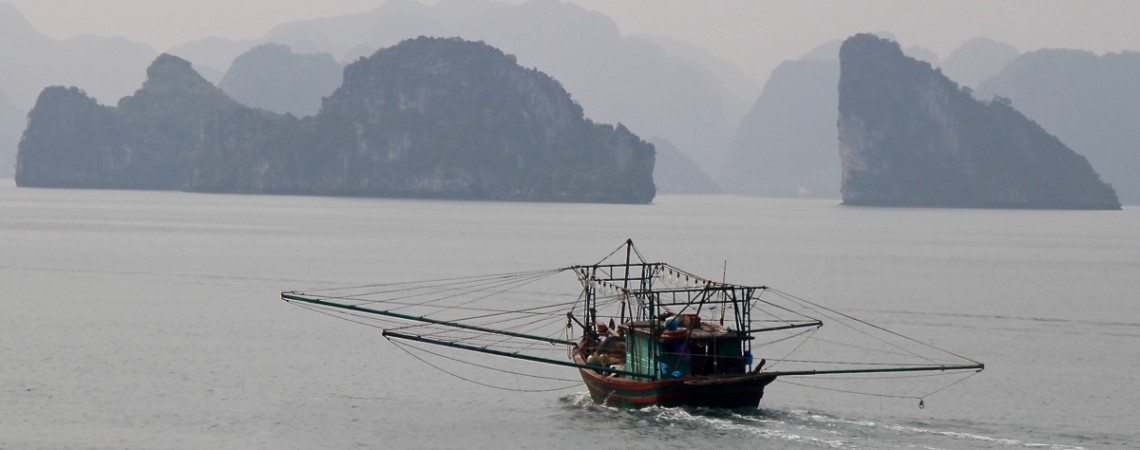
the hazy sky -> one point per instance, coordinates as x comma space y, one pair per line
753, 34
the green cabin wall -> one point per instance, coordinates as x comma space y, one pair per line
728, 354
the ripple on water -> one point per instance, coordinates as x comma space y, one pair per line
780, 428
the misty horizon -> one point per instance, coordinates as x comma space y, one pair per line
753, 36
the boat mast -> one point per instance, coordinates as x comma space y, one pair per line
724, 278
591, 303
625, 282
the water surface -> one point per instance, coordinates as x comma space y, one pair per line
152, 320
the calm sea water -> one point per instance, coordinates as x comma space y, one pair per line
152, 320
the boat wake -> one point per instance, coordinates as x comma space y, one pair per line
790, 429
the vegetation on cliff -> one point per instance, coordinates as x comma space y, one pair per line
909, 136
430, 117
147, 142
433, 117
655, 88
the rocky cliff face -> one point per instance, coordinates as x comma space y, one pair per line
31, 61
432, 117
654, 89
146, 142
908, 136
442, 118
71, 142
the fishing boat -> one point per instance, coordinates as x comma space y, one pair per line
638, 333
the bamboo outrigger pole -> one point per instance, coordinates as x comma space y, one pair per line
292, 296
979, 367
816, 324
411, 337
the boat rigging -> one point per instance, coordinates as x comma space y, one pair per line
638, 333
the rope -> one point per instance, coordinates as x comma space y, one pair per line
427, 282
865, 333
341, 314
920, 398
790, 296
870, 394
810, 332
405, 350
467, 285
452, 298
613, 253
951, 384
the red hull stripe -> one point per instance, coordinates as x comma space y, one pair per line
622, 392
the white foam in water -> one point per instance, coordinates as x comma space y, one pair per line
774, 433
814, 429
957, 435
975, 437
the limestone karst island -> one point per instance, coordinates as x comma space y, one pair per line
427, 118
909, 136
456, 119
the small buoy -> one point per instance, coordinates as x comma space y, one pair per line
921, 404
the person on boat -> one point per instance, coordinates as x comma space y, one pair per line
610, 351
603, 331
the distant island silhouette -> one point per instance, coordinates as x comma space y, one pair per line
427, 118
1089, 101
909, 136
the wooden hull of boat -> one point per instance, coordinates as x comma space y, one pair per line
738, 391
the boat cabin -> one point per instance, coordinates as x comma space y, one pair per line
679, 347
